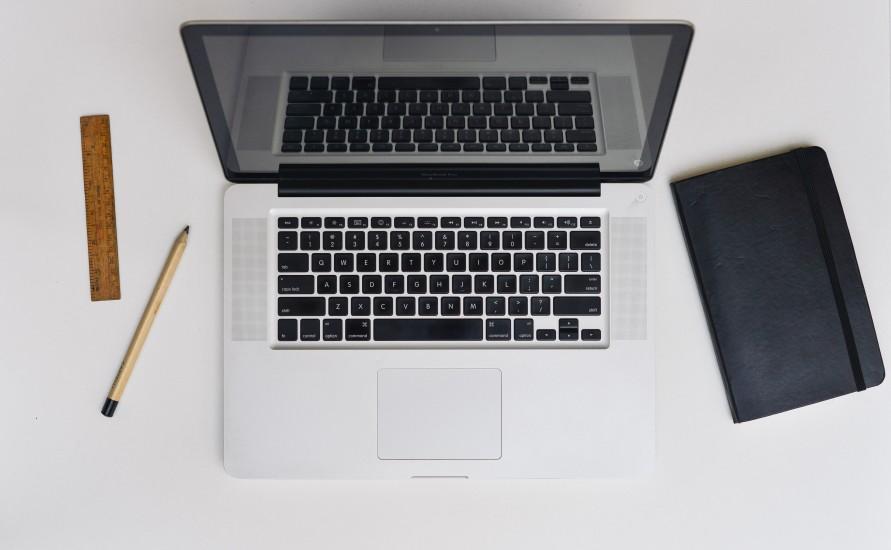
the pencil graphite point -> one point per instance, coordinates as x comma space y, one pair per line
186, 230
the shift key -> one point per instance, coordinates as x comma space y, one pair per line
301, 307
581, 305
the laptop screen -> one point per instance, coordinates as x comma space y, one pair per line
319, 93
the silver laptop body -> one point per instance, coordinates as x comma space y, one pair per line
437, 248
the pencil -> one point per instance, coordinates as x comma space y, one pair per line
145, 324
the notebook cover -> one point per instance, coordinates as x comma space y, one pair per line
779, 283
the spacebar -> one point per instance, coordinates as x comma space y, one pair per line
428, 83
393, 330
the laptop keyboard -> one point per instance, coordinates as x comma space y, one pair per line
456, 278
440, 114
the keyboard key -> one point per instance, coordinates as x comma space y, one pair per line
566, 222
309, 330
568, 261
507, 284
391, 330
590, 221
523, 262
519, 147
559, 83
332, 330
293, 263
422, 240
303, 109
556, 240
478, 262
467, 239
400, 240
545, 334
343, 263
483, 284
287, 330
565, 305
394, 284
405, 306
569, 97
434, 262
570, 109
498, 329
382, 306
546, 261
538, 80
301, 307
584, 122
584, 240
591, 334
357, 223
405, 147
518, 305
516, 83
495, 305
326, 284
417, 284
411, 262
287, 240
582, 284
551, 284
541, 147
363, 82
462, 284
332, 240
535, 240
568, 334
523, 329
388, 262
494, 83
311, 96
541, 305
296, 284
586, 136
428, 306
456, 262
439, 284
381, 223
553, 136
337, 307
500, 262
321, 263
298, 83
372, 284
450, 306
335, 223
473, 305
357, 330
360, 306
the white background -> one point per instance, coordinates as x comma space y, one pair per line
763, 76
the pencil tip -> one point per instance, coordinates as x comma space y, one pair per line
186, 230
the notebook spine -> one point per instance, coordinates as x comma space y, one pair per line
694, 263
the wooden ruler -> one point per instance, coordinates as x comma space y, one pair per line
102, 237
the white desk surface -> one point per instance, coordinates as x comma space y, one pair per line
763, 76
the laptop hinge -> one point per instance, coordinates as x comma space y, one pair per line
438, 180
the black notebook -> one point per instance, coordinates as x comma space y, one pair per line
779, 282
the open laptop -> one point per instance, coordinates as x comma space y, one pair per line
437, 253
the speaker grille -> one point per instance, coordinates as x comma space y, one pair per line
628, 278
248, 279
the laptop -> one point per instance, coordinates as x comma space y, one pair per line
437, 250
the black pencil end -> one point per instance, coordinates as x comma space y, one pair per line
186, 230
109, 407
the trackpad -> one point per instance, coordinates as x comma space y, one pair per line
436, 414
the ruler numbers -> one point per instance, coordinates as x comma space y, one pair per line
102, 242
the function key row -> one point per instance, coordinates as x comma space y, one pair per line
430, 222
560, 82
